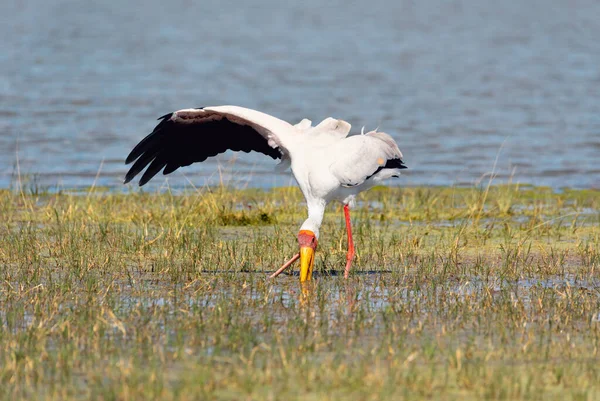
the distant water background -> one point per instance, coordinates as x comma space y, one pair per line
459, 84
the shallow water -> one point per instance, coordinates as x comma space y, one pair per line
370, 290
458, 83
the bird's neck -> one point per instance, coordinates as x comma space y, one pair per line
316, 210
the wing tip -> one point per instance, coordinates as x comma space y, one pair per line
166, 116
128, 177
130, 158
141, 183
396, 163
148, 175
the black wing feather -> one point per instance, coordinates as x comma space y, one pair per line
391, 163
157, 164
140, 147
172, 145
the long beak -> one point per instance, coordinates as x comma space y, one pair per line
307, 261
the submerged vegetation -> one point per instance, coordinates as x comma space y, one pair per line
470, 293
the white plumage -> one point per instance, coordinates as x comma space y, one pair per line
326, 163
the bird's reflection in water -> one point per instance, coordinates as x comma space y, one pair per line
351, 298
308, 291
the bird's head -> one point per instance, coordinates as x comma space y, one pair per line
307, 241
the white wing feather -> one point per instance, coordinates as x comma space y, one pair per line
358, 157
329, 130
304, 124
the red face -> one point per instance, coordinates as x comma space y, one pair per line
307, 239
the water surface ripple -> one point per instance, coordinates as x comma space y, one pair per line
457, 83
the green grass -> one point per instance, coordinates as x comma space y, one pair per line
456, 293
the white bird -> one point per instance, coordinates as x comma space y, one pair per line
326, 163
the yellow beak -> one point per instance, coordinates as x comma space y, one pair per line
307, 261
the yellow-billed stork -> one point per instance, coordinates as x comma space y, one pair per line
326, 163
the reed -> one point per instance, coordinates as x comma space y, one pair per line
471, 293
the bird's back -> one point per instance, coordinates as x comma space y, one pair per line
348, 165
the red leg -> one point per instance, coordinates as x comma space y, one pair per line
285, 266
350, 254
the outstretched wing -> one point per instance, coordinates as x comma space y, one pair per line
193, 135
361, 157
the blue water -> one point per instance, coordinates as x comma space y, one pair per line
459, 84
